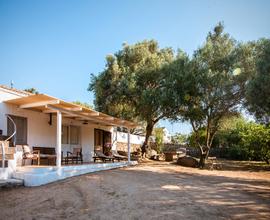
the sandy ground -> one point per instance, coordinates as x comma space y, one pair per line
152, 190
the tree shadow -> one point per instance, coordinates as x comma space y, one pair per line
198, 196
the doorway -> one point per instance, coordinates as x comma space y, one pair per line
101, 138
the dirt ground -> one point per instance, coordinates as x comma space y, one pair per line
151, 190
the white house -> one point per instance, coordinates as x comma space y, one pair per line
46, 121
167, 138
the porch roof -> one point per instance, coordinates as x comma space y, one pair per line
48, 104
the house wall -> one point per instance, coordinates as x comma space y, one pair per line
121, 138
134, 139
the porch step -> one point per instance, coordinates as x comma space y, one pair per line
11, 183
35, 176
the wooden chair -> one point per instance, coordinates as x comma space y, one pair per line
75, 156
100, 156
47, 155
118, 156
32, 155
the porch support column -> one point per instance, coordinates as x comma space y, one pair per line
59, 139
128, 145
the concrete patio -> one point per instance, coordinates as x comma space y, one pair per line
40, 175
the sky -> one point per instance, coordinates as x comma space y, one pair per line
54, 46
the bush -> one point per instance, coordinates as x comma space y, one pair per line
237, 153
241, 140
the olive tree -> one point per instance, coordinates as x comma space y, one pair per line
258, 92
211, 85
131, 86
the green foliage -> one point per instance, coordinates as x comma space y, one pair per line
83, 104
32, 90
211, 86
131, 86
179, 138
256, 138
142, 82
258, 92
237, 153
241, 139
194, 138
158, 133
245, 140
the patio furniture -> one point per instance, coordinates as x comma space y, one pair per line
100, 156
118, 156
214, 163
75, 156
47, 155
32, 155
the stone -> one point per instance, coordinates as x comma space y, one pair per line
187, 161
153, 152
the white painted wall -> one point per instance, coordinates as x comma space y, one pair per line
134, 139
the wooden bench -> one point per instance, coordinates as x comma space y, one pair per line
214, 163
47, 154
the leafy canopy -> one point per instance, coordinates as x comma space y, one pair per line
258, 91
83, 104
131, 86
211, 85
32, 90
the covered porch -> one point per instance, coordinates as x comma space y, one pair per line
56, 112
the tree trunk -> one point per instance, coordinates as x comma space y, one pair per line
149, 129
203, 157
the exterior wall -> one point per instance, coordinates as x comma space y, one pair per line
5, 95
122, 139
134, 139
166, 137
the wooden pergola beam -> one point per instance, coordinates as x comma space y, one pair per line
95, 119
38, 104
92, 114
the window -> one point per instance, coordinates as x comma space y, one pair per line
74, 134
70, 134
98, 138
21, 129
65, 131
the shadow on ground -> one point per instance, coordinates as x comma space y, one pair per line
147, 191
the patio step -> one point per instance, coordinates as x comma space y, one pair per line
36, 176
11, 183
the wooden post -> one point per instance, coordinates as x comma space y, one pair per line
58, 139
128, 145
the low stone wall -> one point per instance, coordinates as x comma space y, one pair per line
120, 146
195, 152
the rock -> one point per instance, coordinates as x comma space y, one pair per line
169, 156
187, 161
154, 157
153, 153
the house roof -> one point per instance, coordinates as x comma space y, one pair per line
48, 104
19, 92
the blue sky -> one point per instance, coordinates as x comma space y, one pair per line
55, 45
